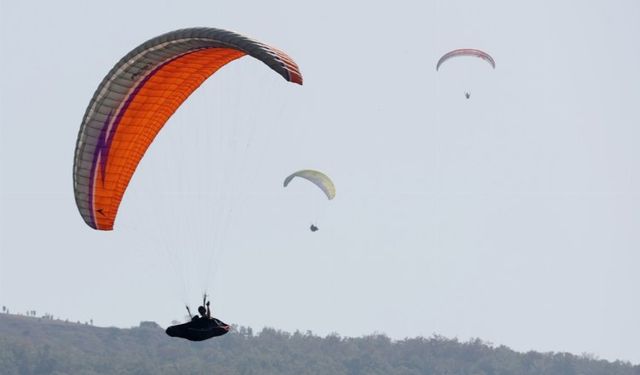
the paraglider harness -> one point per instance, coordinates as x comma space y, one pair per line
199, 328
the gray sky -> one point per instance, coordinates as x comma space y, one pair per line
512, 216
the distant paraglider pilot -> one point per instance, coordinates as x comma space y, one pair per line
319, 179
467, 95
201, 327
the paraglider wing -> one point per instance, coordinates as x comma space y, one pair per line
466, 52
136, 99
320, 179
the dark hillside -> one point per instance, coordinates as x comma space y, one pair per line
30, 345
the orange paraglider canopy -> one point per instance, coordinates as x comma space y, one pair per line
136, 99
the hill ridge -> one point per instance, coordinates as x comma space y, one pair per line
30, 345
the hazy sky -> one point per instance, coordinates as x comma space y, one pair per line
512, 216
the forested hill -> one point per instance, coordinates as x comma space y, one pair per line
30, 345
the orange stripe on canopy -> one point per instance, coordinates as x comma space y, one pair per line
145, 114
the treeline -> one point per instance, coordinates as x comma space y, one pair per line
33, 313
30, 346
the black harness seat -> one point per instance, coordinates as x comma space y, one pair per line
199, 329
